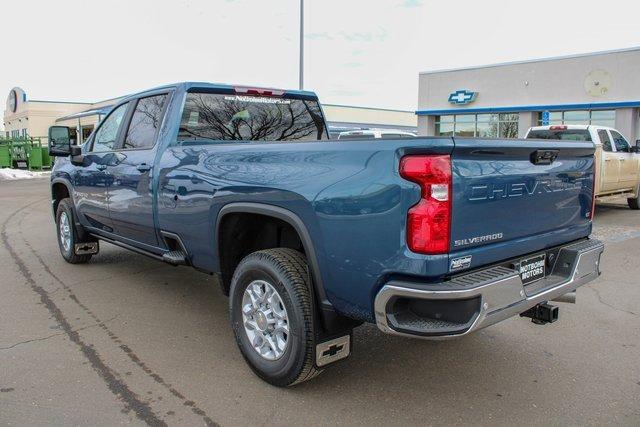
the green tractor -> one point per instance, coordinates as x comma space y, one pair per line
24, 153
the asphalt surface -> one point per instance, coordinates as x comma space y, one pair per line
128, 340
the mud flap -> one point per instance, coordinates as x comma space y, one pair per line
331, 351
87, 248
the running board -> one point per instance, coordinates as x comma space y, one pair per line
175, 258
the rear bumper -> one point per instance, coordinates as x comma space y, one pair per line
476, 300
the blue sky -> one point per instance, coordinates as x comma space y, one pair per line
358, 52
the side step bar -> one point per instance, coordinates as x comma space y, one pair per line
175, 258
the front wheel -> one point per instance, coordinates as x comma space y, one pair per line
272, 316
67, 234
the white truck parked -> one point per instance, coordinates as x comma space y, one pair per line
618, 162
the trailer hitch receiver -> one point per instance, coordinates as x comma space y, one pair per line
542, 313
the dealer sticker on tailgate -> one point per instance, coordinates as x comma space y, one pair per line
532, 269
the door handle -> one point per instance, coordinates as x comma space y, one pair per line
101, 167
143, 167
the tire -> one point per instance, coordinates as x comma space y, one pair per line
67, 242
285, 271
634, 203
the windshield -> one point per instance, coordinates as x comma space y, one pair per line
562, 134
255, 118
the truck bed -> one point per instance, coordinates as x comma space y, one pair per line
354, 203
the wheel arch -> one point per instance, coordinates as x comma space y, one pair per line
289, 218
60, 189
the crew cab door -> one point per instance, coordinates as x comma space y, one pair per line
91, 179
131, 192
628, 162
610, 164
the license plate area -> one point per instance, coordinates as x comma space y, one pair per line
533, 268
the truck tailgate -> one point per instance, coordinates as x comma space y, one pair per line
519, 195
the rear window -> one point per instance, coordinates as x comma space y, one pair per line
562, 134
222, 117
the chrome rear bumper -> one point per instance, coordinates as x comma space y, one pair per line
481, 298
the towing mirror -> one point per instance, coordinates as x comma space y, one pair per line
59, 141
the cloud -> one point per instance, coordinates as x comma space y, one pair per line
318, 36
378, 35
411, 3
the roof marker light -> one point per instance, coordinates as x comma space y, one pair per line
258, 91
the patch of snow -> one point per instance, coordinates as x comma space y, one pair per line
13, 174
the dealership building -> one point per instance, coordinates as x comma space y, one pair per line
24, 117
504, 100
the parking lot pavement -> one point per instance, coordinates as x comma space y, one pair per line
127, 340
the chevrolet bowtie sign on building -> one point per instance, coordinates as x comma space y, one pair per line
462, 97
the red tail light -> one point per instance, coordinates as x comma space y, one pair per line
429, 221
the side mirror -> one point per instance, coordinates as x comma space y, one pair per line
636, 149
59, 141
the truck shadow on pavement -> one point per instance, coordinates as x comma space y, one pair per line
173, 323
198, 312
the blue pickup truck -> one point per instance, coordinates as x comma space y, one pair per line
310, 237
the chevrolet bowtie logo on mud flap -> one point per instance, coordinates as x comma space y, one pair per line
520, 189
333, 350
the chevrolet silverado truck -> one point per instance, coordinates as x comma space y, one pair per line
310, 237
617, 162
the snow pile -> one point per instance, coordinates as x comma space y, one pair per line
11, 174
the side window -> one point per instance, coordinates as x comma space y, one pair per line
106, 136
622, 146
604, 138
145, 122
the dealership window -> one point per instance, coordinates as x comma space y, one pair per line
504, 125
581, 117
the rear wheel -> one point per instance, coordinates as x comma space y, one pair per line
272, 316
67, 233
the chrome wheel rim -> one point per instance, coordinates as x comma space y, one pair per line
65, 231
265, 320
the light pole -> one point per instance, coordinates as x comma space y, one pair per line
301, 44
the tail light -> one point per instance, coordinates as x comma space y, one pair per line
429, 221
